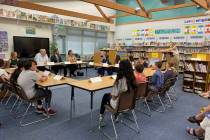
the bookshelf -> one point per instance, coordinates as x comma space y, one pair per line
196, 76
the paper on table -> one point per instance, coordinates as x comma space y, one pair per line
46, 73
91, 63
50, 63
95, 79
58, 77
40, 63
67, 62
117, 65
79, 61
105, 65
114, 77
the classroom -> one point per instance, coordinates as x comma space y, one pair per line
105, 69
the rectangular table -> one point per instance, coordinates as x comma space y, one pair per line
65, 64
106, 82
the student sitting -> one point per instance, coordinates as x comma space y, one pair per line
157, 80
73, 67
140, 77
3, 73
202, 119
27, 80
16, 73
57, 58
170, 71
143, 62
13, 59
125, 81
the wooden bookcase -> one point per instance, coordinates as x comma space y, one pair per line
196, 76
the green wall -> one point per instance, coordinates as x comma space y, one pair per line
151, 4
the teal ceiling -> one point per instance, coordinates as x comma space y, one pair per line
152, 4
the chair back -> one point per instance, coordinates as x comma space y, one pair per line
9, 86
141, 90
126, 101
20, 92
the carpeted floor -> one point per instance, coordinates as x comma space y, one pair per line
160, 126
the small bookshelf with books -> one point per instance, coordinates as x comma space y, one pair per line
196, 76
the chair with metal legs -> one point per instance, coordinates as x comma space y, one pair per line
11, 90
126, 103
23, 97
141, 94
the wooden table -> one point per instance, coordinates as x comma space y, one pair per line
10, 70
148, 72
64, 64
106, 82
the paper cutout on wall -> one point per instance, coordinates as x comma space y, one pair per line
3, 41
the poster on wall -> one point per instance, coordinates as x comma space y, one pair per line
178, 39
3, 41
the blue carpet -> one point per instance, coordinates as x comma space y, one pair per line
160, 126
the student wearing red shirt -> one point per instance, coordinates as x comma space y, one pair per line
140, 77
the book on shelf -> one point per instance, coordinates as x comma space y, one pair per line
189, 67
200, 67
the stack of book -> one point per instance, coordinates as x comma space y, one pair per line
189, 67
200, 68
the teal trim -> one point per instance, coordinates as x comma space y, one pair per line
157, 15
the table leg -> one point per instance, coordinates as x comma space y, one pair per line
86, 70
72, 100
91, 108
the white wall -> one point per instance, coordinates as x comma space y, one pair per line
18, 28
125, 31
44, 30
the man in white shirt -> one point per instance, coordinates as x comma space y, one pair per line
41, 58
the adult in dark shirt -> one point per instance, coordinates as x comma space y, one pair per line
104, 59
57, 58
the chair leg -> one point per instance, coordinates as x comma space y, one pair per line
33, 122
145, 103
25, 113
14, 104
135, 119
169, 98
6, 94
163, 106
8, 99
116, 135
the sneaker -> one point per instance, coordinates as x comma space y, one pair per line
41, 110
101, 122
51, 112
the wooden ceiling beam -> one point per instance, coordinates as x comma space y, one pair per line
141, 5
201, 3
116, 6
102, 13
189, 4
42, 8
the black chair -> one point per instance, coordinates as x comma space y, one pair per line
126, 103
21, 93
